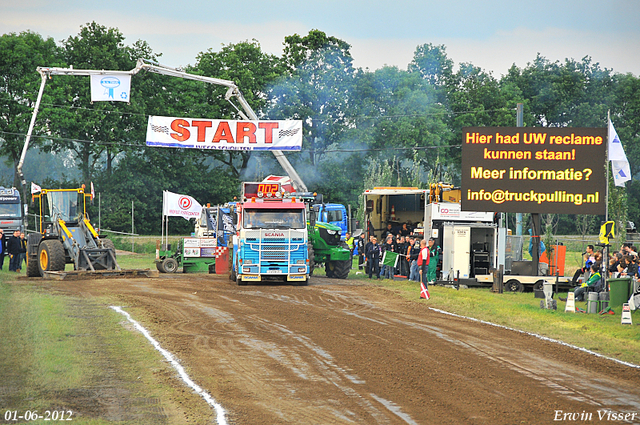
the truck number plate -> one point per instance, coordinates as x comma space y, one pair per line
274, 271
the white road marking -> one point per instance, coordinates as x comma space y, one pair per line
221, 419
544, 338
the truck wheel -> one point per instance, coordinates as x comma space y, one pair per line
232, 275
51, 256
302, 282
539, 285
240, 282
170, 265
514, 285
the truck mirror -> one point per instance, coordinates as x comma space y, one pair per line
369, 206
312, 217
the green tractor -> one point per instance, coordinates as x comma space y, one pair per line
326, 247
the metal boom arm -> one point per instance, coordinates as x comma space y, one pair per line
233, 91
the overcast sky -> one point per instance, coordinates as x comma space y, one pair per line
491, 34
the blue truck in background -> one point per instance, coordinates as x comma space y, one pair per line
11, 210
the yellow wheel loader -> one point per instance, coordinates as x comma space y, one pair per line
66, 236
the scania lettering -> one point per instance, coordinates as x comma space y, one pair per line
271, 239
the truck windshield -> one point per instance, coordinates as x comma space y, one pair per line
274, 219
10, 210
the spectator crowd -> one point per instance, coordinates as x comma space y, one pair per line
591, 276
417, 259
14, 249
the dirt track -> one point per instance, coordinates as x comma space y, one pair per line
347, 352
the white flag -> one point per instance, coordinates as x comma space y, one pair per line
93, 192
176, 205
35, 188
110, 87
619, 162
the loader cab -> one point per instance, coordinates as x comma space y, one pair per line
62, 206
68, 205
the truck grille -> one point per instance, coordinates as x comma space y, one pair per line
274, 252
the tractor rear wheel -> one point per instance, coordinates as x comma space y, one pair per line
338, 269
160, 267
108, 243
51, 256
170, 265
312, 263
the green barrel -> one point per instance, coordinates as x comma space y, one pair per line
619, 292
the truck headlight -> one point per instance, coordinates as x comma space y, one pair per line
331, 232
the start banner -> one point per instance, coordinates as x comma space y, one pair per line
198, 133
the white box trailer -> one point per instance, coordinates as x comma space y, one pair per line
469, 241
469, 250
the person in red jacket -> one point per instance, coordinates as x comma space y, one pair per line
423, 262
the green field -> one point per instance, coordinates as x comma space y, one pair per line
62, 353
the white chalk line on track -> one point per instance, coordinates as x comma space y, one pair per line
544, 338
221, 419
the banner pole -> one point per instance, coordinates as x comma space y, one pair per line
163, 234
606, 162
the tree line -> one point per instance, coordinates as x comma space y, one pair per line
362, 127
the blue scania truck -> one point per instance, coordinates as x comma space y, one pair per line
271, 237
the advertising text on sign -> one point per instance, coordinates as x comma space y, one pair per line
535, 170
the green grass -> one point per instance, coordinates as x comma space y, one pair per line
66, 352
137, 261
